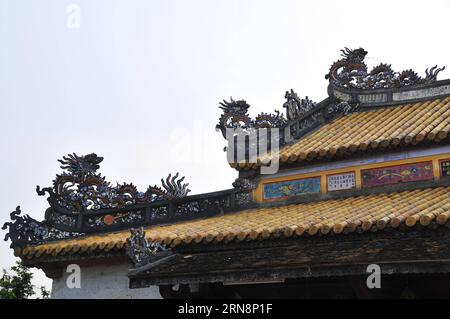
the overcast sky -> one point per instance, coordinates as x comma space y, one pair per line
139, 81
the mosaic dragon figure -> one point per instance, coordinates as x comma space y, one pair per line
351, 72
140, 250
22, 230
296, 107
82, 188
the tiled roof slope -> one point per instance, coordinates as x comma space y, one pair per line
354, 214
407, 124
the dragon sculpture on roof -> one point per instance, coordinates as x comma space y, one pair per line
80, 187
23, 229
235, 114
351, 72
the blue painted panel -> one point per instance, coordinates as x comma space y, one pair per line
287, 189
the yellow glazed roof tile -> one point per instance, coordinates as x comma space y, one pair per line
362, 213
406, 124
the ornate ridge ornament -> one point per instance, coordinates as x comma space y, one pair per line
352, 88
83, 202
23, 230
140, 251
245, 183
351, 72
341, 107
296, 107
303, 115
235, 114
82, 188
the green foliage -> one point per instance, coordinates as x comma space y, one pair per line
18, 284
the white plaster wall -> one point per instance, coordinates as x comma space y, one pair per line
102, 282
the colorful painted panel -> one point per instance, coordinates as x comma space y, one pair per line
341, 181
292, 188
397, 174
445, 168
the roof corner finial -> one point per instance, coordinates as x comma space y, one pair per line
139, 250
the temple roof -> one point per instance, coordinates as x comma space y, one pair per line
364, 110
393, 127
376, 212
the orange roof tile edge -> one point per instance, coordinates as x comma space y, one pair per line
401, 125
354, 214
